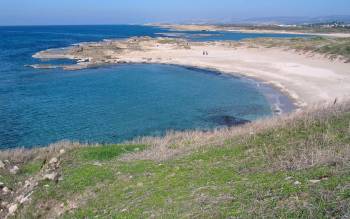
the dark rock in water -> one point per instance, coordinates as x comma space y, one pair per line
204, 71
229, 121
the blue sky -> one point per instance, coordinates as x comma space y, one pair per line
17, 12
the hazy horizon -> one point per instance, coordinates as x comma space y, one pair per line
67, 12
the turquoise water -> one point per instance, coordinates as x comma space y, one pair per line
111, 104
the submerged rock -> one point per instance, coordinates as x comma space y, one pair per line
227, 120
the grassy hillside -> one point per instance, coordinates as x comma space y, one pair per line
295, 166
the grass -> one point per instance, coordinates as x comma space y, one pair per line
31, 168
106, 153
263, 169
333, 48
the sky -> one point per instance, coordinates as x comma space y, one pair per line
46, 12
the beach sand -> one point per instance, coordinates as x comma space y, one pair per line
307, 78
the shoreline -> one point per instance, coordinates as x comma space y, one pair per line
295, 102
307, 79
269, 91
264, 87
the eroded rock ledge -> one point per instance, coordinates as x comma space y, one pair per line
110, 51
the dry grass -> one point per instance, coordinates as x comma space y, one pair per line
320, 148
314, 155
22, 155
331, 48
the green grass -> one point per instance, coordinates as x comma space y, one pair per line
31, 167
242, 178
106, 152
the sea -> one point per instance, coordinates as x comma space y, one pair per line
112, 104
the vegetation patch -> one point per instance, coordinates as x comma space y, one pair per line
332, 48
103, 153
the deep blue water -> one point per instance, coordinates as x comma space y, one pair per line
111, 104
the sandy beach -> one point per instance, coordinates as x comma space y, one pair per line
307, 78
